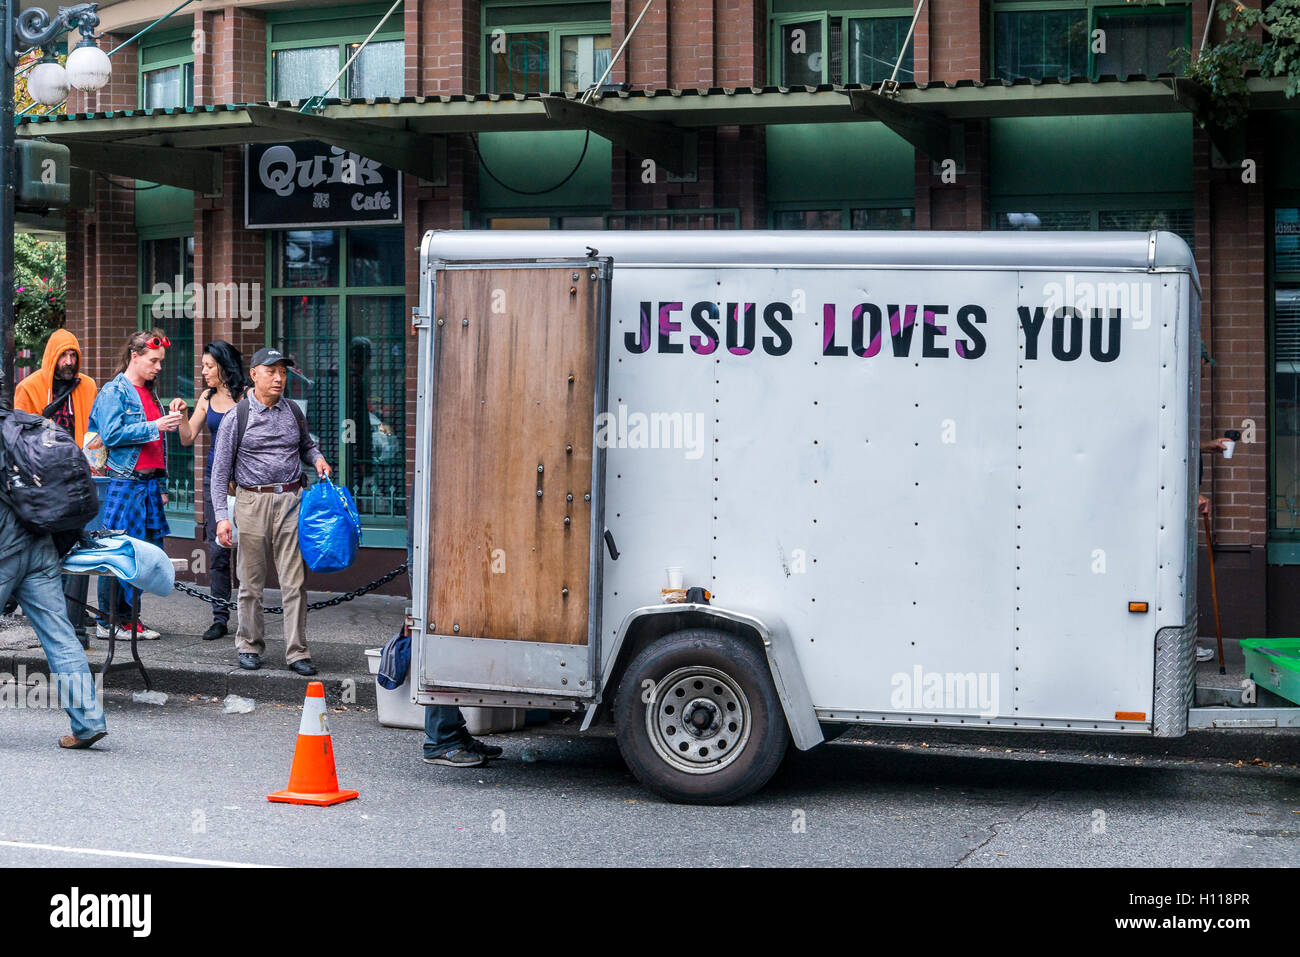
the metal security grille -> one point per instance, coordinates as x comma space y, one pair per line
167, 303
375, 404
1141, 44
306, 328
337, 307
1041, 43
1178, 221
1286, 408
674, 219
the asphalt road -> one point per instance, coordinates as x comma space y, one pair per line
185, 782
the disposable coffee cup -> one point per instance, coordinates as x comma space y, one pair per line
675, 576
1228, 446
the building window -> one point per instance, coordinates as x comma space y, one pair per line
337, 305
1140, 42
846, 216
167, 71
166, 303
307, 54
1040, 216
623, 219
544, 48
1284, 514
833, 47
520, 61
1039, 40
169, 87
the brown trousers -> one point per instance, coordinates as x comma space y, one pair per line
270, 520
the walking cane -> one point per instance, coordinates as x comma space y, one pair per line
1214, 591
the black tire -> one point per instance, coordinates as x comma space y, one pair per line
744, 734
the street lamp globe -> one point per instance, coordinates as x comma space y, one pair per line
47, 83
88, 67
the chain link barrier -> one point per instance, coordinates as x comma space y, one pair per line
314, 606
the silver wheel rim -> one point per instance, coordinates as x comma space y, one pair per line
698, 720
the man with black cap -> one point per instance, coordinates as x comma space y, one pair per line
259, 454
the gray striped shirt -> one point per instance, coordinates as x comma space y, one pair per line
268, 453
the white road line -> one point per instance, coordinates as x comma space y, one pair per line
165, 858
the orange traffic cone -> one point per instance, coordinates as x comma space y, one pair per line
312, 779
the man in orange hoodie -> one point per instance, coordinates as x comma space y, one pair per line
59, 392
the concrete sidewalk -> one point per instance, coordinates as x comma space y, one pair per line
181, 662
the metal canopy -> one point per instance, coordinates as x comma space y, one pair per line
405, 132
666, 143
418, 154
931, 132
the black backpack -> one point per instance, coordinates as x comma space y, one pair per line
44, 476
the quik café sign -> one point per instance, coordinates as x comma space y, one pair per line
315, 184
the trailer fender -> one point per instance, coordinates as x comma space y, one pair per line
644, 624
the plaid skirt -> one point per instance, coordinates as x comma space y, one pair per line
135, 507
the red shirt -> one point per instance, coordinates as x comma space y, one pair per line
151, 456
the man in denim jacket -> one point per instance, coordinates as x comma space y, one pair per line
130, 421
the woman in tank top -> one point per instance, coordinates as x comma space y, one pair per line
225, 381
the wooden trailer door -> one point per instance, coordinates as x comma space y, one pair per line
517, 377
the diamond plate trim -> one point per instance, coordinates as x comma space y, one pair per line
1175, 679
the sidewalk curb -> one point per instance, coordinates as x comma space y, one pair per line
270, 683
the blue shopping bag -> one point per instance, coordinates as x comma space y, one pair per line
329, 529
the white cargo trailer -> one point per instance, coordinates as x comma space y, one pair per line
941, 479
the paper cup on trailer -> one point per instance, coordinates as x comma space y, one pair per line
675, 576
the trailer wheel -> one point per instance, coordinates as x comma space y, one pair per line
699, 720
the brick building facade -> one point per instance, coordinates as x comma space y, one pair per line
1107, 165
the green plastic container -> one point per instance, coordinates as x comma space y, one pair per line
1274, 664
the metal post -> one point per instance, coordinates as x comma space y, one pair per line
7, 188
36, 29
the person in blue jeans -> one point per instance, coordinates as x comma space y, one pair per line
446, 739
130, 421
29, 570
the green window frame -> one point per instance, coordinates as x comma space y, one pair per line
834, 36
849, 214
168, 52
340, 29
1284, 381
1079, 51
168, 309
554, 55
319, 319
621, 219
1129, 212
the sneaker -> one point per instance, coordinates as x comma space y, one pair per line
460, 758
475, 746
142, 633
1204, 654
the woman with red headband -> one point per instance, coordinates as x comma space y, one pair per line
130, 421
